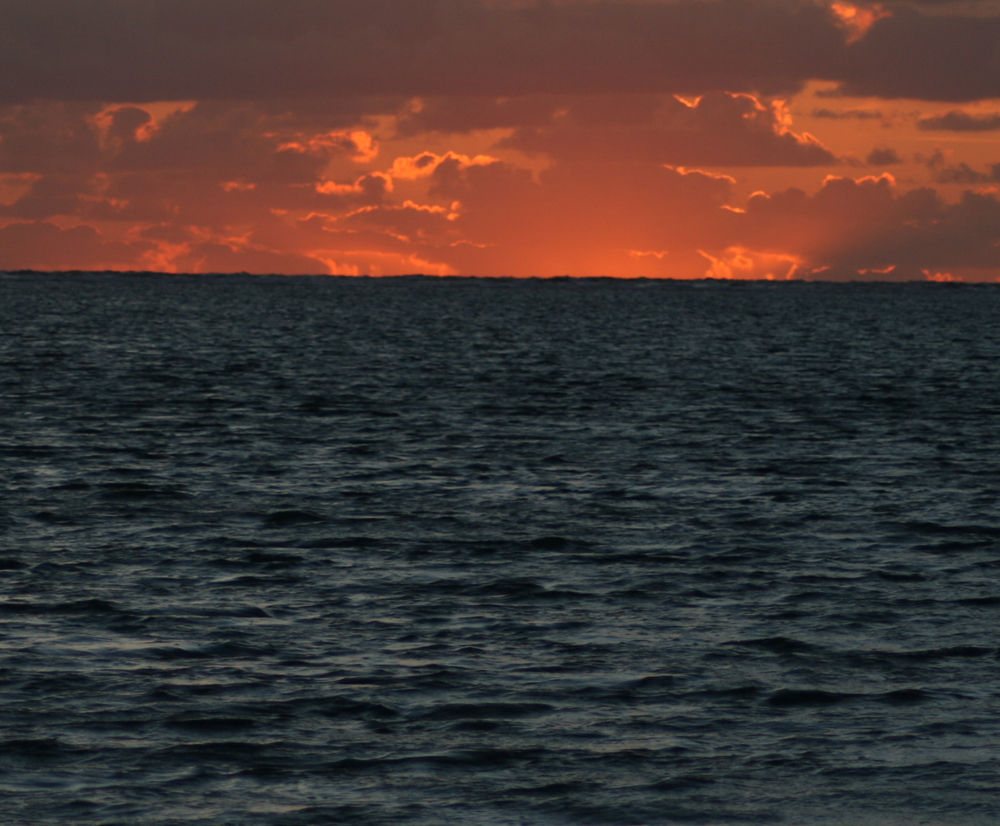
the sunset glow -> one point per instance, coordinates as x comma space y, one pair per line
727, 139
857, 20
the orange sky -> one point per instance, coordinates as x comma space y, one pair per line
728, 138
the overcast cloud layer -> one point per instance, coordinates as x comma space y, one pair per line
464, 136
142, 50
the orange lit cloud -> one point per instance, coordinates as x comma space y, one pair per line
426, 163
857, 20
360, 146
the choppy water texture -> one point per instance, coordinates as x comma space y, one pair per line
333, 551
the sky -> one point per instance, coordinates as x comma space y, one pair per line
777, 139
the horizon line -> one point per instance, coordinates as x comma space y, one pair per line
474, 277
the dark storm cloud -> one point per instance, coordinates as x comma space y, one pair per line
143, 50
928, 57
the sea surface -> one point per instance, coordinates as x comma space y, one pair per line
424, 551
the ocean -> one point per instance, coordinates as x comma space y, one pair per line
418, 551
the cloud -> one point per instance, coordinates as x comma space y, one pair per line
426, 163
50, 137
223, 139
575, 217
960, 173
883, 157
200, 163
226, 258
580, 217
45, 246
458, 114
959, 121
716, 129
486, 136
146, 50
153, 50
409, 222
847, 114
866, 229
948, 57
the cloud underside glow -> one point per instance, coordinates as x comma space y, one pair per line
732, 138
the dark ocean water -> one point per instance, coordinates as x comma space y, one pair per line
422, 552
